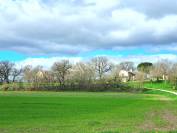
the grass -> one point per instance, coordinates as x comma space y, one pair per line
159, 85
74, 112
155, 85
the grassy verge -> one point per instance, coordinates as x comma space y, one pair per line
155, 85
159, 85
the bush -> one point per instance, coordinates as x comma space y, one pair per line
90, 87
175, 87
5, 87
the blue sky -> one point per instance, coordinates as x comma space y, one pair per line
81, 29
16, 56
11, 56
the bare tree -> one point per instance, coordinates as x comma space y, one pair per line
27, 71
32, 74
15, 73
1, 76
127, 65
115, 73
82, 73
37, 73
60, 70
161, 69
48, 76
101, 66
6, 68
173, 75
140, 76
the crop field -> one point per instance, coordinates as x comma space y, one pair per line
87, 112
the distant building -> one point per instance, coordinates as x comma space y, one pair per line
126, 75
40, 74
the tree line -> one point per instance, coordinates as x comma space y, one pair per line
98, 74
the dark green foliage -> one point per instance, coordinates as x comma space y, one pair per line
145, 67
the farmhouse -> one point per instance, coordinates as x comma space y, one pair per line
126, 75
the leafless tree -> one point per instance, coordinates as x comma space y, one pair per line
173, 75
115, 73
48, 76
101, 66
82, 73
37, 73
6, 68
15, 73
32, 74
27, 72
1, 76
161, 69
61, 69
140, 77
127, 65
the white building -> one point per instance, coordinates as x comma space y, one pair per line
126, 75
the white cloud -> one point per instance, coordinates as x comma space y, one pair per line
70, 27
48, 62
144, 58
45, 62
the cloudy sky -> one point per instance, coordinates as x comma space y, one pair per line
39, 31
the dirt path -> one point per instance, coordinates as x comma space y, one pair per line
172, 92
165, 121
166, 118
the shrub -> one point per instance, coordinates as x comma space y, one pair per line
5, 87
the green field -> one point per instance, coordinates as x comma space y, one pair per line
162, 85
78, 112
155, 85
